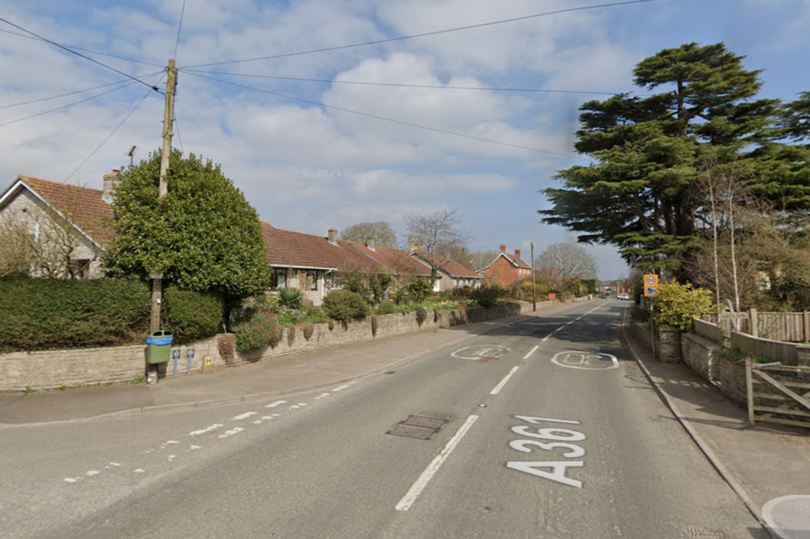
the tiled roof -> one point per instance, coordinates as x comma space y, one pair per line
294, 249
83, 206
517, 261
455, 269
395, 260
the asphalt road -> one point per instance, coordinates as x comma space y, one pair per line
544, 429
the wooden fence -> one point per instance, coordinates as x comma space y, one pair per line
785, 327
778, 394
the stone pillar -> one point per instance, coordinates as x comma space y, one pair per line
669, 345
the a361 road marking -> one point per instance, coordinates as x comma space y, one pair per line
480, 351
558, 438
585, 361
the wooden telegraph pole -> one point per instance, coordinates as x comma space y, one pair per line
534, 284
168, 118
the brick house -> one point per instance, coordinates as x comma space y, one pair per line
68, 226
507, 269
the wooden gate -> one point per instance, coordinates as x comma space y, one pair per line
778, 393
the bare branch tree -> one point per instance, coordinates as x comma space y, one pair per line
570, 260
436, 233
378, 232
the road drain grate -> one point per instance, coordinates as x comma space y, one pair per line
418, 427
703, 533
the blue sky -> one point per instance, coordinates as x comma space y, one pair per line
307, 168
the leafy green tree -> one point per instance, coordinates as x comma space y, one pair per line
639, 194
202, 236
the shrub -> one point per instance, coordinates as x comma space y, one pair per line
677, 305
309, 329
373, 326
345, 306
386, 308
419, 290
486, 297
192, 316
421, 315
290, 335
290, 298
42, 314
255, 330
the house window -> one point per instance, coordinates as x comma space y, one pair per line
312, 278
279, 278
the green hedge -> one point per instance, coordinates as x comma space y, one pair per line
192, 316
345, 306
42, 314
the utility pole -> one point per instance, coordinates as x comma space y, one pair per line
534, 284
168, 117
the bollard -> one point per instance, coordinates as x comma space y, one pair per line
176, 358
189, 358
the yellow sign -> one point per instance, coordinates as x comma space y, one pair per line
650, 285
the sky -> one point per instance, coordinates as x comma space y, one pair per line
312, 155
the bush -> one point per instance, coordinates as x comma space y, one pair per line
43, 314
486, 297
345, 306
309, 329
373, 326
192, 316
255, 329
677, 305
421, 315
419, 290
290, 298
290, 335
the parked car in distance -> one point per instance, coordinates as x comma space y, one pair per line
623, 296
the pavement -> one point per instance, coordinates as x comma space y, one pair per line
761, 464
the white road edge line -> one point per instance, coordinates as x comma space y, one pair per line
503, 382
532, 351
420, 484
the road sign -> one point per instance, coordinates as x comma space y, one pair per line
650, 286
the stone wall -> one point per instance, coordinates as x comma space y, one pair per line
700, 354
54, 369
668, 347
730, 379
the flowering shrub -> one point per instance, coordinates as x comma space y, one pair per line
677, 305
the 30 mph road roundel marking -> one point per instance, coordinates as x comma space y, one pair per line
481, 351
587, 361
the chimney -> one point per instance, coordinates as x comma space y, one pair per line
333, 236
110, 182
517, 253
371, 245
503, 248
414, 244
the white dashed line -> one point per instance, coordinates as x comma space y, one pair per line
274, 404
71, 479
235, 430
205, 430
193, 447
341, 388
91, 473
116, 464
140, 470
243, 416
294, 407
532, 351
169, 442
267, 417
302, 404
420, 484
502, 383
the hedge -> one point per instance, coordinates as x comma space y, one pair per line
42, 314
192, 316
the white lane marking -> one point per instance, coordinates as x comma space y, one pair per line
172, 457
172, 442
302, 404
267, 417
294, 407
205, 430
140, 470
420, 484
275, 415
502, 383
243, 416
532, 351
274, 404
585, 361
71, 479
235, 430
257, 422
340, 388
91, 473
116, 464
193, 447
788, 516
546, 337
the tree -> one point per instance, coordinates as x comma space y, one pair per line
436, 233
638, 194
379, 232
482, 259
203, 235
571, 261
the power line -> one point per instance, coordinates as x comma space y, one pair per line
147, 76
69, 105
114, 131
400, 85
179, 137
179, 27
71, 51
86, 50
425, 34
391, 120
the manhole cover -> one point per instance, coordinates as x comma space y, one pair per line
418, 427
704, 533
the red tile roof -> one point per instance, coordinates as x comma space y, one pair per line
395, 260
514, 260
294, 249
455, 269
83, 206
